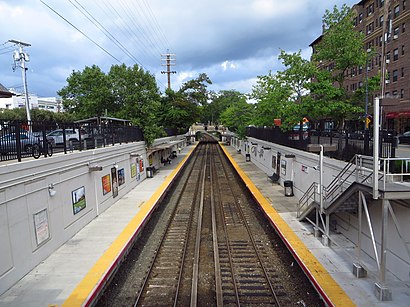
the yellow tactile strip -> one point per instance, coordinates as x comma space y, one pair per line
331, 292
88, 288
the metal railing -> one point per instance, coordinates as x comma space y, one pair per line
359, 169
17, 138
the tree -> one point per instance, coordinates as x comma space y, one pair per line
219, 102
125, 92
196, 89
178, 111
340, 49
238, 116
271, 97
341, 46
88, 93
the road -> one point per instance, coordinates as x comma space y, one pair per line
403, 151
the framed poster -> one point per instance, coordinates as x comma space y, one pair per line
283, 167
106, 184
133, 170
142, 165
41, 226
121, 176
78, 198
114, 182
138, 170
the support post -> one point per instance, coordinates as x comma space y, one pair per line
382, 292
376, 149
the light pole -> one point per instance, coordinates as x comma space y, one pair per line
21, 56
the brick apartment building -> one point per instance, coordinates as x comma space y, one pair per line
390, 19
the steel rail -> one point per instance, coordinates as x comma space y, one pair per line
149, 271
218, 280
195, 269
228, 244
237, 203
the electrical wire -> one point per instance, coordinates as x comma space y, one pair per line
89, 38
106, 32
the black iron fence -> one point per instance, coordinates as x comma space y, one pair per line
348, 144
19, 139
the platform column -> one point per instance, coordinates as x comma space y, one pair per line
358, 269
383, 293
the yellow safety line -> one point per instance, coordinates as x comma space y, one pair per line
331, 289
92, 279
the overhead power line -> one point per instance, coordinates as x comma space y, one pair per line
94, 42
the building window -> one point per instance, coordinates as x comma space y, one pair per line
360, 17
402, 72
395, 94
404, 5
403, 28
402, 93
370, 9
369, 28
381, 3
381, 21
395, 54
360, 84
387, 57
402, 50
355, 23
395, 75
387, 94
396, 11
396, 32
360, 70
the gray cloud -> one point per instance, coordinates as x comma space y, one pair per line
232, 41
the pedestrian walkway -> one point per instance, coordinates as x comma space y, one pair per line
54, 279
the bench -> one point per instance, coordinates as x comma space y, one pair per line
274, 178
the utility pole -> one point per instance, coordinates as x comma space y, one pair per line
168, 60
22, 57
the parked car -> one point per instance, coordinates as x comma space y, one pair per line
8, 142
404, 138
70, 135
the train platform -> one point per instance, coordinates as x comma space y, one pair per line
327, 264
71, 275
73, 271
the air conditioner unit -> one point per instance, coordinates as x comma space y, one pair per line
387, 81
395, 36
387, 61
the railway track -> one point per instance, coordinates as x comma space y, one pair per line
212, 247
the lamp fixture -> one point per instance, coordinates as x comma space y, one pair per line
135, 155
51, 190
94, 168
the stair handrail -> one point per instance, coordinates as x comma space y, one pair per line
308, 197
339, 181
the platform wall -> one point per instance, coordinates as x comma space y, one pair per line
35, 221
300, 167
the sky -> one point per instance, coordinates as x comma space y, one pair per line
232, 41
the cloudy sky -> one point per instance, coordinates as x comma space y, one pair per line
232, 41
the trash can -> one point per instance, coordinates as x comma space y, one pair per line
288, 187
248, 157
150, 172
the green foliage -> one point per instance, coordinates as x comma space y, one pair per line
177, 111
195, 90
125, 92
238, 116
219, 102
340, 44
271, 95
36, 115
88, 93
